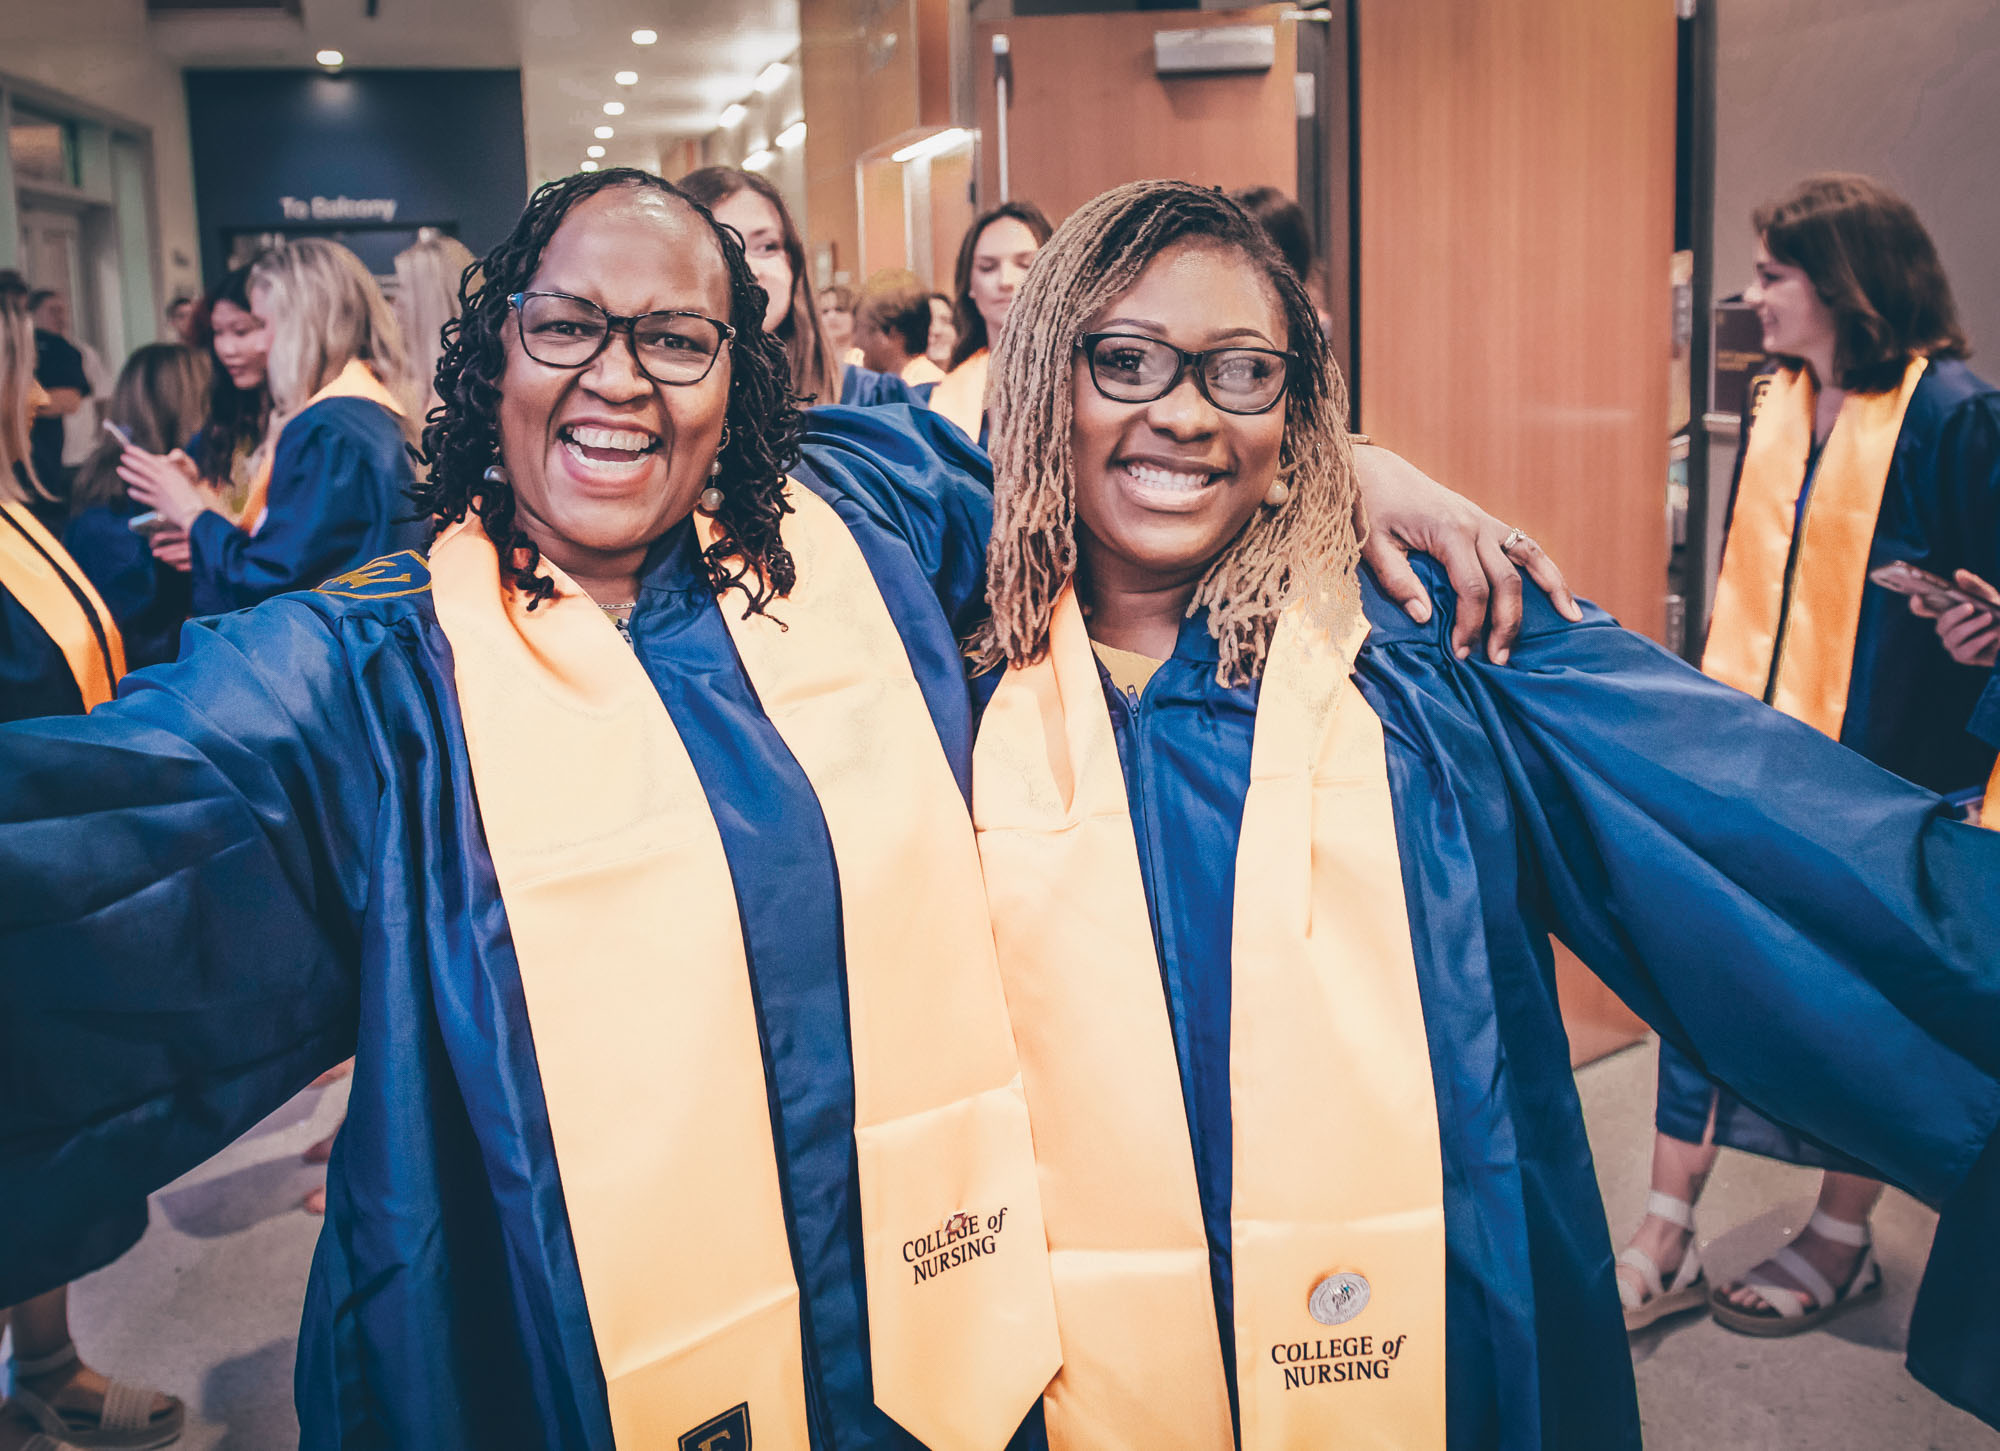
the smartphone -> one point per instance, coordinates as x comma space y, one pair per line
119, 433
148, 524
1940, 594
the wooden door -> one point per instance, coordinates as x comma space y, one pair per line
1516, 237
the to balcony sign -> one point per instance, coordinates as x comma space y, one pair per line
338, 209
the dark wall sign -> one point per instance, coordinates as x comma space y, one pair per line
367, 157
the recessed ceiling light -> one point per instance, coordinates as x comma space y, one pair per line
771, 77
614, 108
331, 59
589, 166
604, 133
645, 37
627, 78
791, 136
593, 151
759, 159
732, 113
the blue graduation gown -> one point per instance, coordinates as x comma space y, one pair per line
1986, 714
35, 680
1908, 701
283, 864
339, 497
149, 600
1812, 929
864, 388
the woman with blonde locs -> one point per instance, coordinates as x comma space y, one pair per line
1273, 866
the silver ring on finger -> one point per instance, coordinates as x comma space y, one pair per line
1515, 536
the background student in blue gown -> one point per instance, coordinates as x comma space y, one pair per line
1811, 929
337, 491
159, 401
1852, 297
749, 203
271, 851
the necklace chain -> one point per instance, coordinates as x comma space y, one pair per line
614, 609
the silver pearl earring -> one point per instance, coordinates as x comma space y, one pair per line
496, 475
711, 497
1276, 495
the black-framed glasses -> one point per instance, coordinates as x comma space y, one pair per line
561, 331
1134, 368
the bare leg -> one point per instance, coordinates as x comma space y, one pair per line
41, 1328
1846, 1197
1680, 1169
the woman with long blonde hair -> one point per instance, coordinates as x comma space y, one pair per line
429, 276
19, 398
336, 493
1273, 872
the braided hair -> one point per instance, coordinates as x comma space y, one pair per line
462, 439
1307, 550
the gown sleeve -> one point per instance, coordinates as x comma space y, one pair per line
1986, 714
180, 893
1815, 932
325, 502
920, 479
149, 600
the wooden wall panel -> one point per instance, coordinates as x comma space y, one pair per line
1088, 112
1516, 220
951, 213
1516, 234
830, 52
875, 74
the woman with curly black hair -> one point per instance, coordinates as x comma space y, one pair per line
657, 1050
626, 835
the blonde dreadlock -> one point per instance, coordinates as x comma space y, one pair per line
1307, 549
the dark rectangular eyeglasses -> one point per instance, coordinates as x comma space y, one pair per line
1134, 368
561, 331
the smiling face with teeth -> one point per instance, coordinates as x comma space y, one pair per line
1162, 488
603, 459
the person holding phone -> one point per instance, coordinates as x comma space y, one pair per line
155, 406
332, 488
1870, 445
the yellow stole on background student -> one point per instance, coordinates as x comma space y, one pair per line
961, 397
356, 380
38, 572
1337, 1212
1815, 658
624, 920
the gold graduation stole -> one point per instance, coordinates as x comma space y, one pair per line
624, 921
1989, 809
1815, 659
36, 570
356, 380
1337, 1213
961, 397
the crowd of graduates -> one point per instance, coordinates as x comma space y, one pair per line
768, 786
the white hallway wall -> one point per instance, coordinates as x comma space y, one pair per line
98, 52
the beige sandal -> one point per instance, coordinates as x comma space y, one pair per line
127, 1421
1786, 1311
1659, 1301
